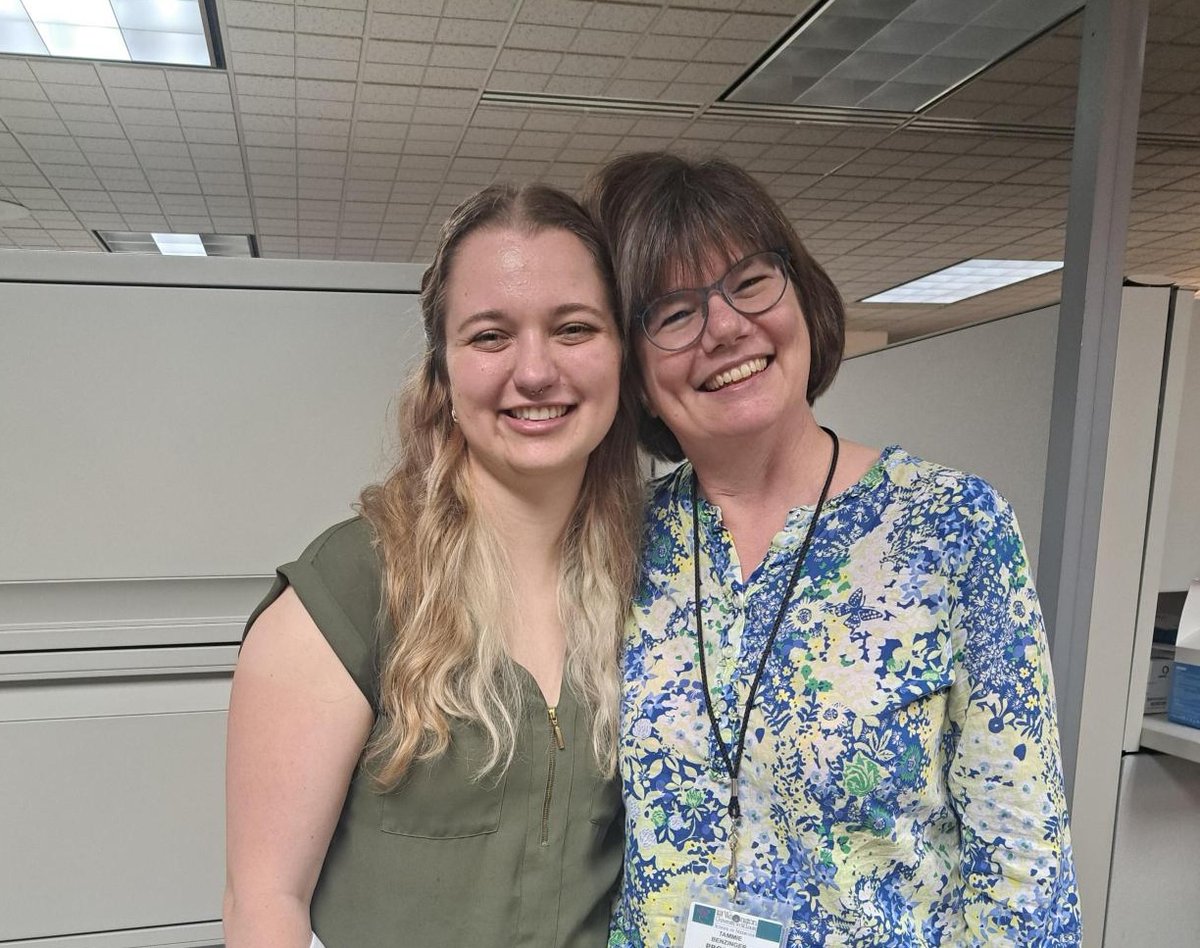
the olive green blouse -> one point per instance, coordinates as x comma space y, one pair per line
529, 859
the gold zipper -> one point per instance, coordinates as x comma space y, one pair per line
556, 744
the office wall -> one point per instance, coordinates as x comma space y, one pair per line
188, 431
976, 399
1181, 556
169, 432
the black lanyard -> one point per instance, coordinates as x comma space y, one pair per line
733, 763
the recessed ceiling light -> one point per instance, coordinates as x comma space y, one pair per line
177, 32
180, 245
893, 55
964, 280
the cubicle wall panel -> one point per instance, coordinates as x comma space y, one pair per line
112, 820
1152, 892
157, 431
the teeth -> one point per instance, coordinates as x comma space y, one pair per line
539, 413
736, 374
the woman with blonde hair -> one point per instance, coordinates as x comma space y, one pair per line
423, 723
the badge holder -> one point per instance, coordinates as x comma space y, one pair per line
717, 919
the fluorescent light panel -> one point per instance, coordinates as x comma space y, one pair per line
179, 245
149, 31
894, 55
964, 280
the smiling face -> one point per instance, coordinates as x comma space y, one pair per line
744, 378
532, 353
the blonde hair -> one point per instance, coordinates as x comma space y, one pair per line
446, 578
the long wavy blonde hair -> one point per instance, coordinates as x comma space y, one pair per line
447, 580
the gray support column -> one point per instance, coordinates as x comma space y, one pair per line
1110, 82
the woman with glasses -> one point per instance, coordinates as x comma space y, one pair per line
838, 725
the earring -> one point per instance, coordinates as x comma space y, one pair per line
453, 415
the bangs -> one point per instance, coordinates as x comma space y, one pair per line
693, 228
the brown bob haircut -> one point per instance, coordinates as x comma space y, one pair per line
666, 216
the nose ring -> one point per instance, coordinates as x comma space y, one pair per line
538, 391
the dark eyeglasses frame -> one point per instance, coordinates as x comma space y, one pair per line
717, 286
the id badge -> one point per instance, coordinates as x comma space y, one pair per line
715, 920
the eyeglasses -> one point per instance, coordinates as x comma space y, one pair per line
752, 286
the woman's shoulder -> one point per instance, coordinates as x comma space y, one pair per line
938, 489
345, 560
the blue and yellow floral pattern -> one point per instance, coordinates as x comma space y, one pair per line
901, 784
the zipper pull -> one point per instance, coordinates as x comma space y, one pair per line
558, 735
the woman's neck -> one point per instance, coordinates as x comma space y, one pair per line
757, 486
776, 470
528, 517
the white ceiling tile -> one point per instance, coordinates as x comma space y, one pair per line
512, 81
333, 90
211, 136
261, 41
442, 115
481, 9
371, 112
764, 28
269, 123
266, 105
447, 77
15, 70
621, 17
540, 37
314, 126
399, 53
334, 4
255, 138
141, 98
14, 91
681, 48
132, 77
447, 98
388, 94
384, 73
25, 126
601, 42
325, 22
468, 57
136, 116
75, 95
337, 143
223, 120
202, 101
266, 85
24, 108
555, 12
259, 15
635, 89
328, 47
322, 108
518, 60
470, 32
81, 74
576, 85
692, 92
597, 66
654, 70
261, 64
394, 131
692, 22
416, 29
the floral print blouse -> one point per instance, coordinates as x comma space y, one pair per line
901, 784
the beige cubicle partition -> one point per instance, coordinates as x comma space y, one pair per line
171, 430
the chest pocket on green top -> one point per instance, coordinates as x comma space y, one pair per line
440, 799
